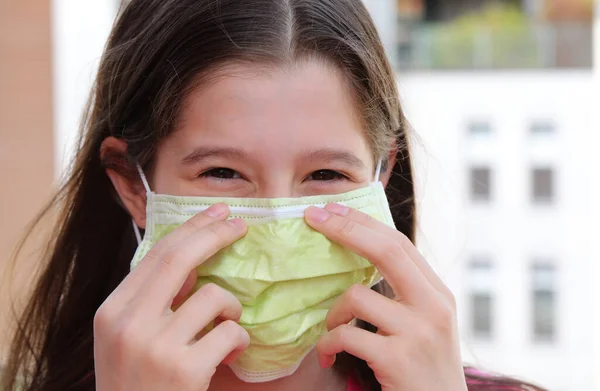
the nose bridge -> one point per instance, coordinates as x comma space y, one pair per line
277, 183
278, 178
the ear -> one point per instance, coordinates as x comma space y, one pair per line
385, 175
130, 190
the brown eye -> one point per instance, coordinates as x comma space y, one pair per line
325, 175
222, 173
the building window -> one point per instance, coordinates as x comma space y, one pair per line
477, 128
481, 310
542, 128
542, 183
543, 301
481, 299
480, 179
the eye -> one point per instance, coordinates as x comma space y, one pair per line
326, 175
221, 173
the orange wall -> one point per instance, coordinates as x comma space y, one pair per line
569, 10
26, 136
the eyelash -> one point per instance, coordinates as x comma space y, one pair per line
337, 176
220, 170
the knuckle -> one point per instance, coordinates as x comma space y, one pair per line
194, 223
443, 317
354, 294
158, 357
104, 317
170, 258
347, 227
125, 333
390, 248
229, 327
344, 332
451, 299
234, 308
233, 330
221, 231
213, 292
364, 218
126, 340
154, 252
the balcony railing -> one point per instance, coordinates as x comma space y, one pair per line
532, 46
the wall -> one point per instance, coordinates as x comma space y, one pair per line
595, 162
80, 30
49, 52
26, 137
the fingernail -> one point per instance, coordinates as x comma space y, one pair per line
338, 209
316, 215
326, 361
217, 210
237, 223
322, 362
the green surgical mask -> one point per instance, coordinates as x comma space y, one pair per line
285, 274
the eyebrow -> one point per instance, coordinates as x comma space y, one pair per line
321, 154
330, 154
201, 153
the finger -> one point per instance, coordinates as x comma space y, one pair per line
130, 286
170, 272
345, 338
414, 254
365, 304
387, 255
222, 344
208, 303
185, 290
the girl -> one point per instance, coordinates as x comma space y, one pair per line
252, 101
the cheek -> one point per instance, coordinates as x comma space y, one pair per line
161, 182
166, 176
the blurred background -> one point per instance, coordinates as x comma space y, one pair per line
504, 100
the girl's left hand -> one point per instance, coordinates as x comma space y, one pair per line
416, 346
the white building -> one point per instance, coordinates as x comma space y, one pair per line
505, 196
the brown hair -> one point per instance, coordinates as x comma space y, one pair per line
157, 52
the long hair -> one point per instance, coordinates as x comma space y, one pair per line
158, 51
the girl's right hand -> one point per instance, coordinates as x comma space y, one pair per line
140, 343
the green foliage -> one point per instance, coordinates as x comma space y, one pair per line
498, 36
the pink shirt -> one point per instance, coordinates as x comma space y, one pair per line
353, 384
477, 384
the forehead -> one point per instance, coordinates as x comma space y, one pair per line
261, 108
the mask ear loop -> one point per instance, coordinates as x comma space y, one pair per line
136, 229
143, 177
377, 171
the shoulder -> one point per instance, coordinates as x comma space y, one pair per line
481, 381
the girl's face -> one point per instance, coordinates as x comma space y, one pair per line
252, 133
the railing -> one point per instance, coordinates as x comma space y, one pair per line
534, 46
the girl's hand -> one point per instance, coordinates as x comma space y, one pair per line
141, 344
416, 346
